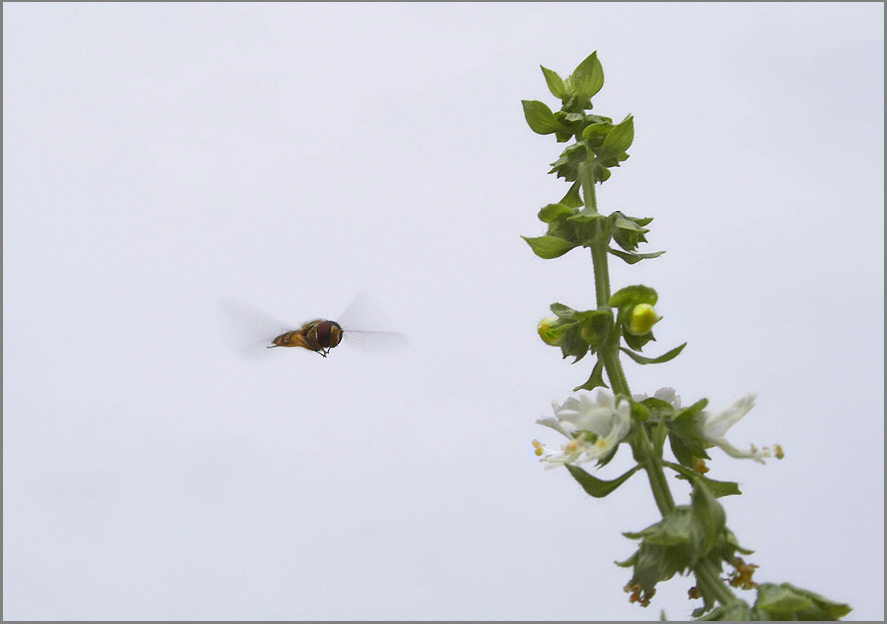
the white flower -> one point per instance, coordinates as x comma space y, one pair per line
663, 394
713, 427
593, 428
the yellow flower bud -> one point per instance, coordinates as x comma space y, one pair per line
643, 317
546, 331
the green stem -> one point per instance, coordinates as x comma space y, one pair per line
613, 366
706, 571
598, 250
601, 274
661, 492
586, 176
710, 582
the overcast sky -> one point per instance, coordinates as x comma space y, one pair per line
158, 158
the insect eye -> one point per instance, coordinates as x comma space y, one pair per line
322, 333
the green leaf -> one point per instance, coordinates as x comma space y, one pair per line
585, 216
597, 487
718, 488
722, 488
633, 258
636, 343
573, 198
555, 83
549, 247
709, 515
573, 344
588, 78
596, 132
540, 118
562, 312
628, 232
631, 296
686, 416
553, 212
618, 140
596, 380
567, 166
683, 452
596, 326
571, 118
665, 357
624, 223
658, 407
787, 602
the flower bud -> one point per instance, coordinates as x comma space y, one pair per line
547, 332
643, 317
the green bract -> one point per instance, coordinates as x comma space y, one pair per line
685, 537
780, 603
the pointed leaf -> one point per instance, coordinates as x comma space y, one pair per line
573, 198
717, 488
631, 296
588, 78
595, 487
618, 140
596, 380
787, 602
549, 247
553, 212
555, 83
633, 258
665, 357
540, 118
709, 515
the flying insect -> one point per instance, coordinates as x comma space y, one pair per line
319, 335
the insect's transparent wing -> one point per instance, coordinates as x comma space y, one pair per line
360, 315
247, 329
376, 341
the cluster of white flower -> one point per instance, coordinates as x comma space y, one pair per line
594, 427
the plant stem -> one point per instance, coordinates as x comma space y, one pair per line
710, 582
586, 176
661, 492
706, 571
613, 366
601, 275
598, 250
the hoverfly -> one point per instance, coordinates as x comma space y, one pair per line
319, 335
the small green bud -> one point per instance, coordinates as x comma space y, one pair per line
643, 317
547, 332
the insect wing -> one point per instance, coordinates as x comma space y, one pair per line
247, 329
363, 312
376, 341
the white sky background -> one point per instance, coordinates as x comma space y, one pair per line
160, 157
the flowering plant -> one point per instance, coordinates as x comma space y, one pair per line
691, 538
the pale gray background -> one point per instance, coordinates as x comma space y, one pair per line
159, 157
